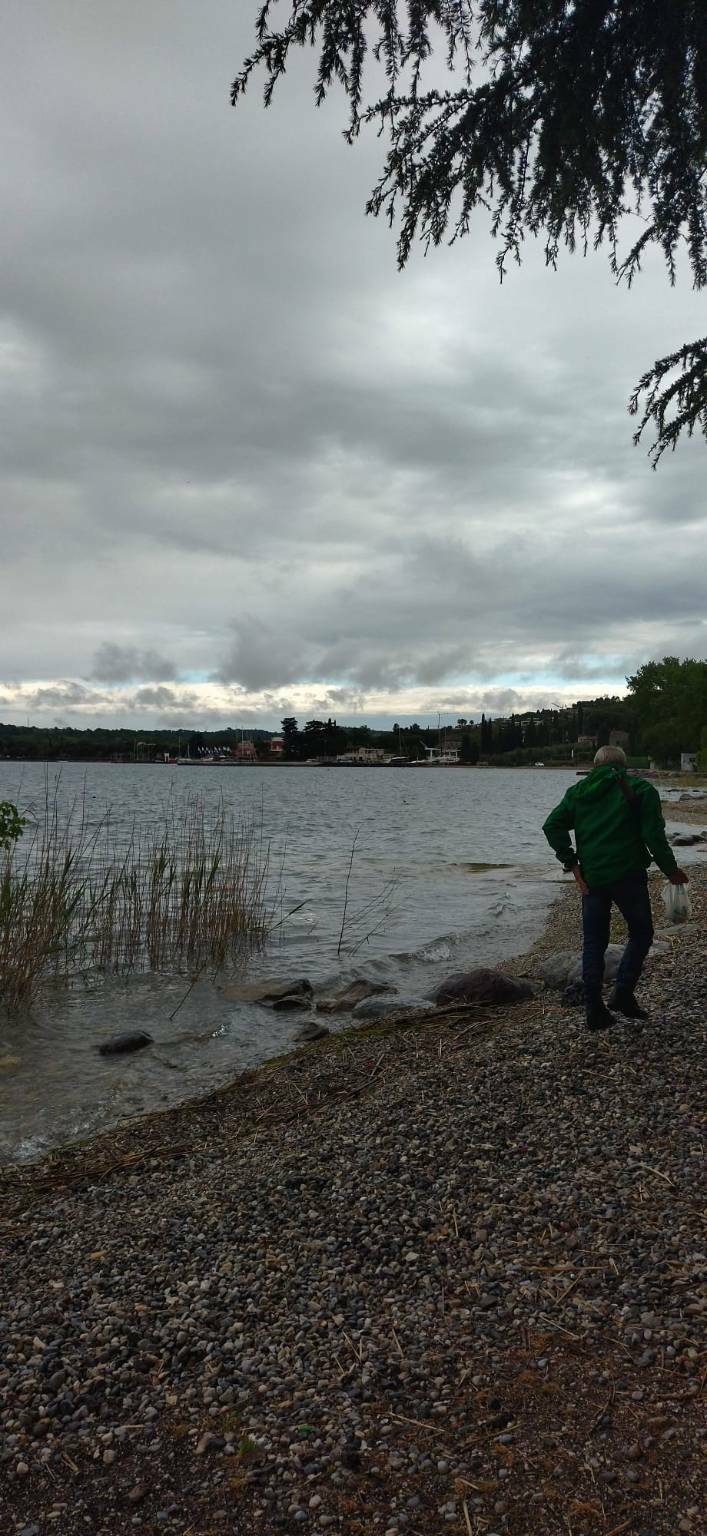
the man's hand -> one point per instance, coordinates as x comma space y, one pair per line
581, 882
679, 878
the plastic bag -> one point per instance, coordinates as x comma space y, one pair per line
677, 903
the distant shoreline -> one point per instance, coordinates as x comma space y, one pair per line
676, 776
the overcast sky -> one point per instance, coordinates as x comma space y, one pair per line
248, 468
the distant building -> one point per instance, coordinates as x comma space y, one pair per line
586, 741
619, 739
277, 745
245, 752
363, 755
688, 761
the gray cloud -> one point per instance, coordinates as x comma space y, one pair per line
240, 447
126, 663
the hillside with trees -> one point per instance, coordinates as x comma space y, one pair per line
662, 715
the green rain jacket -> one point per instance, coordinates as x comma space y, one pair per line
613, 837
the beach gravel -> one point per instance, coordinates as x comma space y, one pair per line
443, 1274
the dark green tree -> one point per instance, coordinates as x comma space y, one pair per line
469, 750
670, 698
560, 118
291, 738
314, 739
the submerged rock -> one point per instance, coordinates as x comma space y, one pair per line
482, 986
348, 997
276, 993
686, 839
121, 1045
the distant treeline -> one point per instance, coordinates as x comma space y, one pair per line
663, 715
67, 743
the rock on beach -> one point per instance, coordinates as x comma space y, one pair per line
565, 968
482, 986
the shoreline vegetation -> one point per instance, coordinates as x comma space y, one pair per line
80, 897
440, 1272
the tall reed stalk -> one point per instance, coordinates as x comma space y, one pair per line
77, 898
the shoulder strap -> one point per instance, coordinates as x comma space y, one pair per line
629, 795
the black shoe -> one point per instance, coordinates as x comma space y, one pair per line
598, 1016
623, 1000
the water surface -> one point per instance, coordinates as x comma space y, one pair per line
450, 869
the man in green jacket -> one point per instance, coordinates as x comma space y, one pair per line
618, 829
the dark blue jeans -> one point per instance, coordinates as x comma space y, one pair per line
633, 901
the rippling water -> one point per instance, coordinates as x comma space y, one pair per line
450, 869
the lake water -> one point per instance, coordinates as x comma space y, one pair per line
450, 870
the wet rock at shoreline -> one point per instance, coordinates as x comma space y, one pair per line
686, 839
122, 1045
276, 994
346, 999
311, 1030
380, 1007
481, 986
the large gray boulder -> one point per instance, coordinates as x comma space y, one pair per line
123, 1045
565, 968
612, 961
481, 986
556, 969
348, 997
686, 839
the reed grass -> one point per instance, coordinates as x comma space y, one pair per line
78, 897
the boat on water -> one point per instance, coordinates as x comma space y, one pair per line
437, 757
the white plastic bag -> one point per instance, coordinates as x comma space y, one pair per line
677, 903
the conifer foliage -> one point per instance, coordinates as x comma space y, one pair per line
555, 118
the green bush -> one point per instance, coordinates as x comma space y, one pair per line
11, 824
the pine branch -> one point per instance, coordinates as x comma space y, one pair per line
677, 407
568, 116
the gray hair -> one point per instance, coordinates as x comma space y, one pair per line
609, 755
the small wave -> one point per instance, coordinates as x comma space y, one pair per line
28, 1148
432, 953
471, 868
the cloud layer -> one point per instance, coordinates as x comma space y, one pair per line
245, 462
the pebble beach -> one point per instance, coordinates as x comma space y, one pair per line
442, 1274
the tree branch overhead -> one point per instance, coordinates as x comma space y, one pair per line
558, 119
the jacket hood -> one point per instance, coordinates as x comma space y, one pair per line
599, 781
